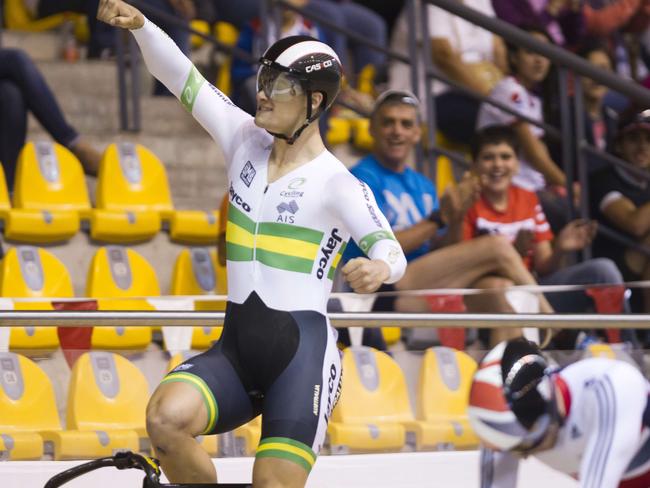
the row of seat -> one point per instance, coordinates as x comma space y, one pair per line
50, 201
115, 273
107, 397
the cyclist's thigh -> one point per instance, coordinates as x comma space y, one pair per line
220, 385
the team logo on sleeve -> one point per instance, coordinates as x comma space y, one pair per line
248, 173
326, 252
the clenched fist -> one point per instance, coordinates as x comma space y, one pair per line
120, 14
365, 275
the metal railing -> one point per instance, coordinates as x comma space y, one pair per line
340, 319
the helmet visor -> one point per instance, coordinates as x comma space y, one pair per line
278, 85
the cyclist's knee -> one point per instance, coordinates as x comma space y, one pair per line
168, 418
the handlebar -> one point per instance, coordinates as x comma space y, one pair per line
121, 460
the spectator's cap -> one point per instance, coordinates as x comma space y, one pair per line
634, 121
396, 96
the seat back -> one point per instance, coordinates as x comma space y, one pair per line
444, 384
374, 388
27, 401
49, 177
132, 178
195, 273
5, 204
117, 272
27, 271
106, 392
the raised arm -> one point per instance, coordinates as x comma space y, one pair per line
211, 108
354, 204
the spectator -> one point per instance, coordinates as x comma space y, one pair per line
562, 19
251, 40
23, 89
409, 201
537, 170
606, 17
600, 121
621, 199
358, 19
465, 53
515, 213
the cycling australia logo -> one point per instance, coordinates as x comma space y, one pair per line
248, 173
287, 212
294, 188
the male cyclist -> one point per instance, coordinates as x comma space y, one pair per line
293, 206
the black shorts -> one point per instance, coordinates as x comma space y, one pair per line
284, 365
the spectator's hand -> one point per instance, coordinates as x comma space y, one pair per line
119, 14
576, 235
456, 200
524, 241
185, 8
365, 275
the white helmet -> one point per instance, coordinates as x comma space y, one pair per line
512, 402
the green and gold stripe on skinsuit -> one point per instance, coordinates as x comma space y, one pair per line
278, 245
206, 393
285, 448
335, 262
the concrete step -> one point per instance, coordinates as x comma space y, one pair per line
41, 46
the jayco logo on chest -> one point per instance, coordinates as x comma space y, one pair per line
326, 252
235, 198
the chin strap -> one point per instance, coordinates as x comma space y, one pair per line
310, 118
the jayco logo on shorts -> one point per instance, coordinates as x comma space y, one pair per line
234, 197
331, 398
326, 251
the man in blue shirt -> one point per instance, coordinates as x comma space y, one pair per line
431, 232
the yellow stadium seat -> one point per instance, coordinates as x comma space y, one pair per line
444, 174
29, 420
195, 274
31, 272
50, 195
117, 272
443, 392
392, 335
194, 226
18, 17
373, 406
27, 406
227, 34
5, 204
339, 131
361, 134
200, 26
107, 397
600, 350
133, 199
